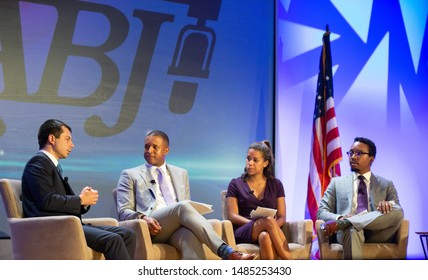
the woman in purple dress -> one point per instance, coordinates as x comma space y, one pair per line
258, 186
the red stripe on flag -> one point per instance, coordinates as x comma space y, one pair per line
326, 152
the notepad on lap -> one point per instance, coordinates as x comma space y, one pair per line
262, 212
202, 208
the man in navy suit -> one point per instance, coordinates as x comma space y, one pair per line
381, 213
140, 195
46, 193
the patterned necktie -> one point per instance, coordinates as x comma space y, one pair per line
59, 169
362, 200
166, 191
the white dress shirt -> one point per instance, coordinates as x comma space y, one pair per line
160, 201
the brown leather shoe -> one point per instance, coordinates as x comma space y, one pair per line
237, 255
329, 228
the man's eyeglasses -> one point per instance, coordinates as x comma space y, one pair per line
356, 153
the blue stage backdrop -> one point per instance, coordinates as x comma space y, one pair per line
201, 70
380, 59
204, 71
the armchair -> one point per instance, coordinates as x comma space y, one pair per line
331, 250
147, 250
298, 234
42, 238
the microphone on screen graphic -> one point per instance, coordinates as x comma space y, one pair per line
193, 54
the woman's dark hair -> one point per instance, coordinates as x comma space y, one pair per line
51, 126
265, 148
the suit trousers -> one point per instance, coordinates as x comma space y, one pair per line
116, 243
184, 228
372, 227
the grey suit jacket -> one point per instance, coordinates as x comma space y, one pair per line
135, 190
337, 199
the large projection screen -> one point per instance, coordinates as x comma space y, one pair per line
201, 70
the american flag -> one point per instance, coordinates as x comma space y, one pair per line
326, 151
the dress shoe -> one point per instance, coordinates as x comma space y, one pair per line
331, 227
237, 255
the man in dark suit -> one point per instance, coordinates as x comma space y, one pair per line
140, 195
46, 193
361, 207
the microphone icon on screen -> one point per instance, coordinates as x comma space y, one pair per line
193, 53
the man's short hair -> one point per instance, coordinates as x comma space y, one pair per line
159, 133
51, 126
368, 142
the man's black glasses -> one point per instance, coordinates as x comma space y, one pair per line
356, 153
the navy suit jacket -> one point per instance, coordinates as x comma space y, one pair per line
45, 192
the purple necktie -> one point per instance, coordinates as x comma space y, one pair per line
362, 195
163, 184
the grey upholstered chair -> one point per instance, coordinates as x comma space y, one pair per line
298, 234
397, 250
147, 250
46, 238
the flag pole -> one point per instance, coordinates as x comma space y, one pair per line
326, 152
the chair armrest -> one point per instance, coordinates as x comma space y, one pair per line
299, 232
228, 234
48, 238
403, 239
320, 236
105, 221
323, 244
309, 226
144, 247
217, 226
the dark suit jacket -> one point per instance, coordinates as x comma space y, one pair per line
45, 192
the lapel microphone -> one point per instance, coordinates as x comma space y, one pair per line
152, 182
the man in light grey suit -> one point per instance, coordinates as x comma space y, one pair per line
157, 192
339, 207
